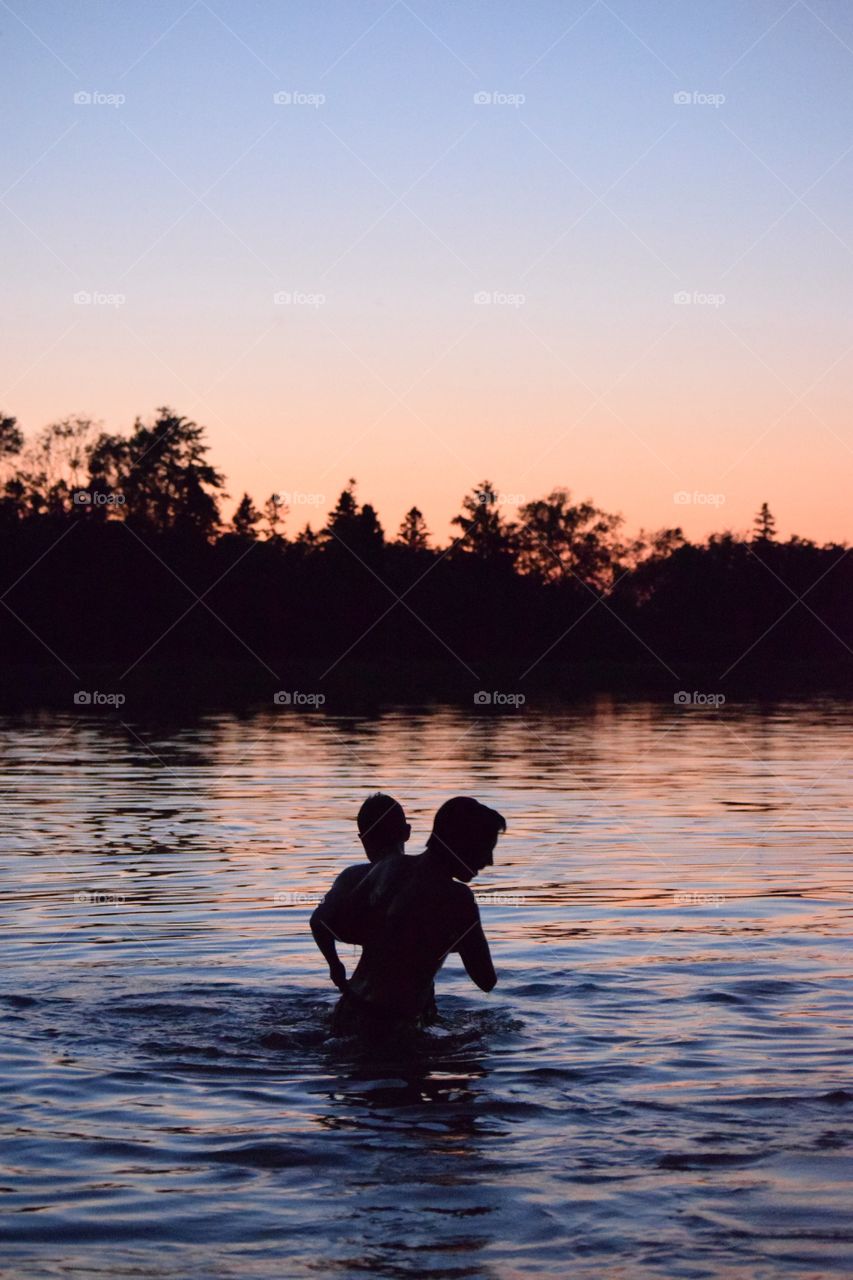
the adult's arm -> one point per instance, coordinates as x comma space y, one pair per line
473, 947
477, 959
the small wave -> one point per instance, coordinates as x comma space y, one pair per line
165, 1048
263, 1155
838, 1097
767, 988
690, 1160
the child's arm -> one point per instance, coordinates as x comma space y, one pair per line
325, 939
325, 926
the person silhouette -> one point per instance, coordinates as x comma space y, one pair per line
383, 832
409, 914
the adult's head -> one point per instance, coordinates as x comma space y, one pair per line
464, 835
382, 826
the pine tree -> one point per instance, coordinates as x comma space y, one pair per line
485, 532
764, 529
275, 513
245, 518
413, 532
344, 518
11, 437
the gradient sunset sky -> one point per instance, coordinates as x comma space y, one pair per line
629, 153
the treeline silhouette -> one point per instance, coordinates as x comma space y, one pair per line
115, 551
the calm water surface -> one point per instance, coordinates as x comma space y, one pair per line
659, 1086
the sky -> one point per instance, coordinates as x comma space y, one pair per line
602, 244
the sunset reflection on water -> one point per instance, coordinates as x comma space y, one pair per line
666, 1055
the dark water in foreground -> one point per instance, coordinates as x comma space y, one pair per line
659, 1086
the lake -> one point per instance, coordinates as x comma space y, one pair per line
659, 1086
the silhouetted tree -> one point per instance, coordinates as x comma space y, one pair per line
352, 526
11, 438
275, 513
558, 539
512, 590
370, 531
12, 494
307, 538
162, 473
413, 532
246, 518
344, 515
54, 466
764, 529
486, 533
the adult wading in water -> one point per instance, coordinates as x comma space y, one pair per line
409, 913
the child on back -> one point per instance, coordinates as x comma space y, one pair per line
383, 832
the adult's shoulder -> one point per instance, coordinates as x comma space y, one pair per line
463, 901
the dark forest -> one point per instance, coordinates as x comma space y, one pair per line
116, 558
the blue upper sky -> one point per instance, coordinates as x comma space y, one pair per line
625, 153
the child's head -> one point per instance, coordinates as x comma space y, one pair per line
382, 826
464, 835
